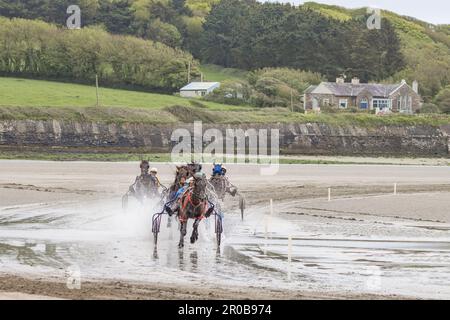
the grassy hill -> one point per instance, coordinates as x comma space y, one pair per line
23, 99
426, 47
213, 72
38, 93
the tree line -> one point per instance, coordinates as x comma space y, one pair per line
243, 34
251, 35
176, 23
38, 49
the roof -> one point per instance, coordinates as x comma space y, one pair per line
193, 86
353, 90
310, 89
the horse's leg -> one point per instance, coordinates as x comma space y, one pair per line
194, 236
183, 230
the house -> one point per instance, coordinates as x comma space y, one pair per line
198, 89
364, 96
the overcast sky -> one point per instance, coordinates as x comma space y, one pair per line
434, 11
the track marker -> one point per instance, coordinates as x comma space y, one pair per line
329, 194
395, 189
289, 256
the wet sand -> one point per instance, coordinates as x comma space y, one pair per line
54, 214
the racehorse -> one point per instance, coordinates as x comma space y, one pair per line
194, 204
144, 187
183, 173
221, 186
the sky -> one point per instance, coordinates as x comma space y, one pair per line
433, 11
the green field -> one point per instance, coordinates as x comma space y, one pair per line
216, 73
39, 93
22, 99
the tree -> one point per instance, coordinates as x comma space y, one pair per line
165, 33
443, 100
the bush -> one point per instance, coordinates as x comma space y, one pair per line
443, 100
429, 108
39, 49
234, 92
352, 110
329, 109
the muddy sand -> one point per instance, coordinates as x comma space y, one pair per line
57, 217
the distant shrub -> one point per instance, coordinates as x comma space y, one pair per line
429, 108
443, 100
329, 109
38, 49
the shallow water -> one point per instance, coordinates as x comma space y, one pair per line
101, 241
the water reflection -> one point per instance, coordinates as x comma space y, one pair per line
194, 260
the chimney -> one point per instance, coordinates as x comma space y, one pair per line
340, 80
415, 86
355, 80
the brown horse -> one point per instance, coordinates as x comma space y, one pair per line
193, 204
182, 174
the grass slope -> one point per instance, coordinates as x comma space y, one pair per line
22, 99
39, 93
213, 72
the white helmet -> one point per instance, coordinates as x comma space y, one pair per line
154, 170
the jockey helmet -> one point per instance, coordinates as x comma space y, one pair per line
154, 170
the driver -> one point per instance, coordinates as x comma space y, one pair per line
154, 174
145, 178
174, 205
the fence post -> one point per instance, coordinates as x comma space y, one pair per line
289, 257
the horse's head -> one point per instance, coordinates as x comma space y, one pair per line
145, 166
200, 185
182, 172
194, 167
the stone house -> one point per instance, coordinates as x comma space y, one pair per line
364, 96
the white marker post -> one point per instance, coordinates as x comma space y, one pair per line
266, 229
289, 257
329, 194
271, 212
395, 189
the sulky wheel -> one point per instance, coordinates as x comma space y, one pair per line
242, 206
125, 203
219, 230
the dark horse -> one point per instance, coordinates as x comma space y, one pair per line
194, 204
182, 174
144, 187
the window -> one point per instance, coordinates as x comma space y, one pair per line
405, 104
343, 103
364, 104
382, 104
326, 102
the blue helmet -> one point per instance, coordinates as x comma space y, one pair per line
217, 169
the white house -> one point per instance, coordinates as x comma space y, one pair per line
198, 89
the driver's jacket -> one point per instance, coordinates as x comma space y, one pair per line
146, 181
